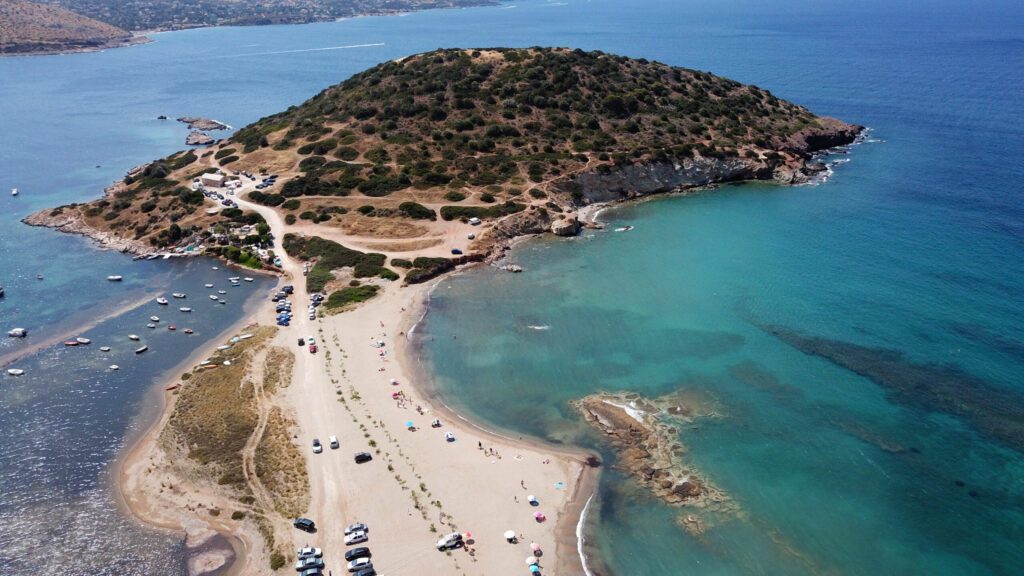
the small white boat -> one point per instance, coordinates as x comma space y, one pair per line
161, 301
214, 268
178, 294
224, 347
624, 229
133, 337
104, 348
167, 256
204, 362
247, 279
141, 350
17, 333
244, 336
222, 291
185, 309
115, 278
14, 191
81, 340
154, 318
150, 325
213, 297
15, 371
115, 367
222, 302
234, 278
208, 285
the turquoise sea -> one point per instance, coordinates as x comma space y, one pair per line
861, 341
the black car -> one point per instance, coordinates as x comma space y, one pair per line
302, 341
288, 289
304, 524
361, 552
366, 572
362, 457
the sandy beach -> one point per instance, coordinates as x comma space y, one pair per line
362, 386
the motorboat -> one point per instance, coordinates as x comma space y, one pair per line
187, 330
115, 278
133, 337
185, 309
214, 268
14, 191
150, 325
17, 333
222, 302
154, 318
1, 291
172, 327
234, 278
178, 294
115, 367
213, 297
208, 285
624, 229
141, 350
81, 340
15, 371
161, 301
70, 343
224, 347
247, 279
104, 348
222, 291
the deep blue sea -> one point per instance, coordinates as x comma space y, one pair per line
861, 341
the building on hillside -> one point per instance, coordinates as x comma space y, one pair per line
212, 180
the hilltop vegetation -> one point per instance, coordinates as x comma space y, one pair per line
30, 27
177, 14
453, 153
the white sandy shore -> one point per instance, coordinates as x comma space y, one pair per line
418, 486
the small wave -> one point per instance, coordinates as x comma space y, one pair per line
542, 327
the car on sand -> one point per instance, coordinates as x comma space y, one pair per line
361, 552
304, 524
356, 528
453, 540
309, 563
359, 564
317, 446
309, 551
356, 537
362, 457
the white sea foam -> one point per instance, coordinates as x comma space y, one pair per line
579, 537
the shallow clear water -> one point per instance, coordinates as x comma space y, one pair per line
913, 246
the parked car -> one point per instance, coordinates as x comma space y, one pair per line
361, 552
453, 540
309, 551
311, 572
356, 528
456, 251
333, 440
317, 447
359, 564
302, 342
363, 457
309, 563
356, 537
304, 524
312, 348
367, 572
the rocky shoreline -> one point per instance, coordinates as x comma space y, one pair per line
71, 223
645, 436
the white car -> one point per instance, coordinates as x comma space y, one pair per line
333, 441
356, 537
453, 540
309, 552
311, 340
359, 564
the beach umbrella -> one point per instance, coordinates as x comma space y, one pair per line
534, 546
394, 382
510, 535
532, 499
394, 395
531, 560
538, 516
408, 423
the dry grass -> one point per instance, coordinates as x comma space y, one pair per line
410, 246
215, 412
359, 225
272, 160
281, 467
277, 369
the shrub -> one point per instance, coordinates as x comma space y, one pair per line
292, 204
228, 160
350, 295
277, 561
487, 197
401, 263
416, 211
454, 196
496, 211
289, 219
347, 153
223, 152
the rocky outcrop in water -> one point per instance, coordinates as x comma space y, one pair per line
645, 436
196, 123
